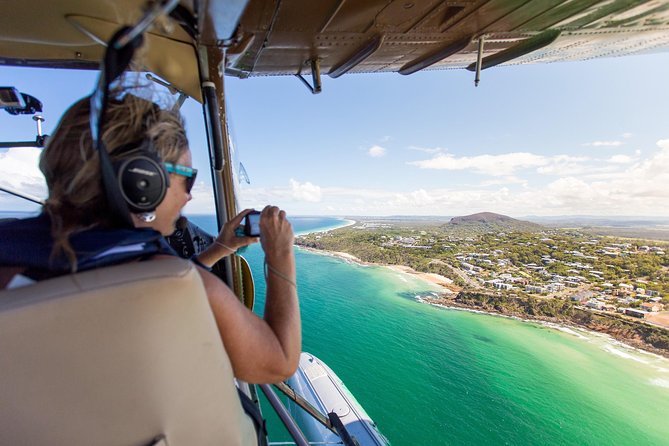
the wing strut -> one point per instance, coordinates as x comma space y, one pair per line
315, 76
479, 57
172, 89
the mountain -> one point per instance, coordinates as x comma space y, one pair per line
489, 222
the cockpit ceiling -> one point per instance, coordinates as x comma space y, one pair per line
71, 34
283, 37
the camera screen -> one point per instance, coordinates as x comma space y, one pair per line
252, 227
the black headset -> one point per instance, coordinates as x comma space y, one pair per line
137, 183
142, 178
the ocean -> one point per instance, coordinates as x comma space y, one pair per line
434, 376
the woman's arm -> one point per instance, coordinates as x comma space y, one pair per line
263, 350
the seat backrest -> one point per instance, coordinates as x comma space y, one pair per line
116, 356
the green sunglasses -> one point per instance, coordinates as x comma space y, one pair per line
188, 172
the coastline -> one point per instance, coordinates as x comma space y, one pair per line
551, 322
347, 222
435, 279
448, 294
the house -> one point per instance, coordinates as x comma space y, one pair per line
582, 296
555, 287
651, 307
596, 304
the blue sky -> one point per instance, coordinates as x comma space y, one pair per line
577, 138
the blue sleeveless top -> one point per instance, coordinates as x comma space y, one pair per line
28, 243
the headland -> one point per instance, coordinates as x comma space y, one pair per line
501, 269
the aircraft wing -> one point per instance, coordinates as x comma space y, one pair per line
278, 37
334, 37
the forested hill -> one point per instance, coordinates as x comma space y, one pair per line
489, 222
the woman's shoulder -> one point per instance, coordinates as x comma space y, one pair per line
28, 243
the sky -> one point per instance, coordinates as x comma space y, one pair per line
573, 138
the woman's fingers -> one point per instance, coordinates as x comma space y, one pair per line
237, 220
276, 232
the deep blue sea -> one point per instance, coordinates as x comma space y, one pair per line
433, 376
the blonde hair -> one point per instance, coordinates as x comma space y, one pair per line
70, 164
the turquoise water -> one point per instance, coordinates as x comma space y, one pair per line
432, 376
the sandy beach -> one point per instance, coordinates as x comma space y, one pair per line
347, 222
449, 291
444, 282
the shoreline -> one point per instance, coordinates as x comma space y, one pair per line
348, 222
444, 302
554, 323
435, 279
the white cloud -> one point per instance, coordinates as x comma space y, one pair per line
599, 189
621, 159
627, 135
496, 165
504, 180
505, 165
19, 172
376, 151
202, 201
604, 144
427, 150
305, 191
593, 187
562, 165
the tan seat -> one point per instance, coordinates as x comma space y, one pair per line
116, 356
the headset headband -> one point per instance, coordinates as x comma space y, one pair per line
118, 55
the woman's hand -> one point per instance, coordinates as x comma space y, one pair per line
229, 239
227, 242
276, 233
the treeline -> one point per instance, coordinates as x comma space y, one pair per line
381, 246
366, 247
637, 334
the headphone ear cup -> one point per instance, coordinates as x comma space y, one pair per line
143, 182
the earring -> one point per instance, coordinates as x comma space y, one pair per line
147, 217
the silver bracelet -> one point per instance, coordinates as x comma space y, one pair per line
225, 246
281, 275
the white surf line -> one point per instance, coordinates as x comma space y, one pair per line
344, 224
611, 342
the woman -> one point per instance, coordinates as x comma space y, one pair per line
78, 228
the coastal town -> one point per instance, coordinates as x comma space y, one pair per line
561, 270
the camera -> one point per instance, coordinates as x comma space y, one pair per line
252, 224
